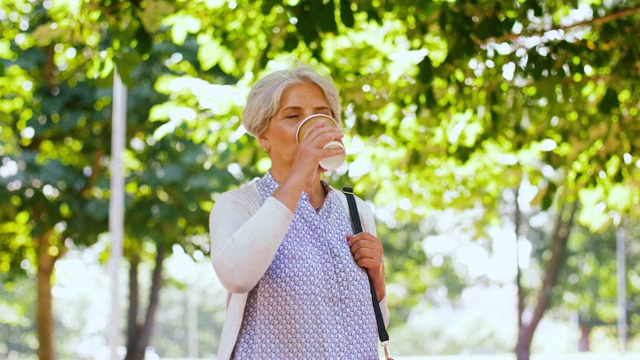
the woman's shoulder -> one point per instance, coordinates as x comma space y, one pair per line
362, 205
364, 210
246, 194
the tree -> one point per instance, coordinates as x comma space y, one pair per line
458, 105
56, 190
589, 284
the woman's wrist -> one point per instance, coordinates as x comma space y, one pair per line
289, 191
379, 284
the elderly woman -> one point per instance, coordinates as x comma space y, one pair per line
283, 245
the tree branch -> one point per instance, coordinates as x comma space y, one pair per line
595, 21
560, 237
133, 329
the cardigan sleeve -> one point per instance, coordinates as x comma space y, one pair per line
245, 237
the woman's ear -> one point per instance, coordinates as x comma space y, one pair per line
264, 143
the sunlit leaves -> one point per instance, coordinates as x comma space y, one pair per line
620, 198
462, 130
604, 201
446, 83
46, 33
181, 25
15, 256
155, 12
211, 53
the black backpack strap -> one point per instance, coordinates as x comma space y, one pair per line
357, 228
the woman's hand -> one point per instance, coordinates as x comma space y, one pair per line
311, 150
368, 253
305, 168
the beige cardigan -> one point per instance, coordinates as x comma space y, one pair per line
245, 236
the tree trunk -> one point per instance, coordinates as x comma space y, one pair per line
559, 239
585, 331
523, 347
143, 332
134, 302
520, 291
44, 311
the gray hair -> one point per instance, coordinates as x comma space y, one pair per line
264, 98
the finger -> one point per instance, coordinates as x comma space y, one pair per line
368, 263
323, 138
363, 250
367, 249
363, 253
320, 134
314, 128
366, 253
364, 240
352, 239
332, 151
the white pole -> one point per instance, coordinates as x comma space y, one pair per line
116, 205
192, 320
621, 234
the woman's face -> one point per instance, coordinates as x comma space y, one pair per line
296, 103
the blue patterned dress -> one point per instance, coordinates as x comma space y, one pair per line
314, 301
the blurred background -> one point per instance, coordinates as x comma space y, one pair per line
497, 141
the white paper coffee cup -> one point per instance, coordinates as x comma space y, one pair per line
331, 162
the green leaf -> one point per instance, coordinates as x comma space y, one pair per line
590, 197
162, 112
5, 50
536, 6
144, 41
209, 54
307, 28
154, 13
182, 25
620, 197
425, 68
609, 102
107, 68
549, 196
290, 42
268, 5
488, 27
325, 15
346, 14
46, 33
